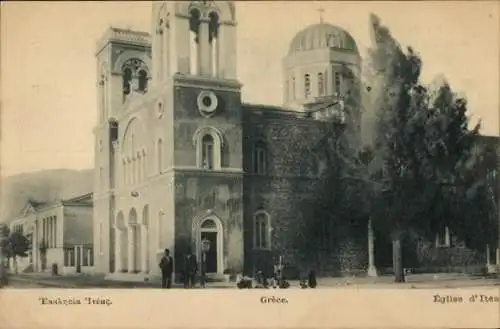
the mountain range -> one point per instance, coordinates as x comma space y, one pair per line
41, 186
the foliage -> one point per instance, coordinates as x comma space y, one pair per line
16, 245
4, 231
418, 171
477, 209
423, 150
421, 169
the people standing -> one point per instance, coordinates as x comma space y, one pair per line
190, 270
167, 268
311, 279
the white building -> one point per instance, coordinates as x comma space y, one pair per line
60, 233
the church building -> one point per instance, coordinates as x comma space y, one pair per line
179, 159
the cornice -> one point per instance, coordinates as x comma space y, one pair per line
196, 81
196, 170
125, 36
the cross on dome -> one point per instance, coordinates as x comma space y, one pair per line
321, 11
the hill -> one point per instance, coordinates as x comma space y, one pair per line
42, 186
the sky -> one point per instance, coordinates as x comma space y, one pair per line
48, 80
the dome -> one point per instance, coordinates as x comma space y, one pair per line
322, 35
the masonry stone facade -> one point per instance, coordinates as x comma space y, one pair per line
180, 159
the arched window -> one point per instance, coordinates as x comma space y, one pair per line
161, 226
144, 166
139, 167
209, 224
293, 87
213, 39
443, 239
127, 80
133, 172
159, 154
143, 81
135, 76
101, 177
337, 83
307, 86
262, 230
209, 143
321, 84
207, 152
124, 172
194, 29
259, 159
102, 97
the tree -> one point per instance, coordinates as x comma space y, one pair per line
16, 245
421, 143
4, 233
479, 201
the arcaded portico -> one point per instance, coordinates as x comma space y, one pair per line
131, 242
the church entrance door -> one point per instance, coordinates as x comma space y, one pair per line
210, 229
211, 255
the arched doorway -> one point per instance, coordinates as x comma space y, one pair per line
134, 261
121, 241
112, 244
145, 241
211, 229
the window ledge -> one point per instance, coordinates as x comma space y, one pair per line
261, 249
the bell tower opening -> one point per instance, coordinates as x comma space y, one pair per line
194, 40
135, 77
213, 36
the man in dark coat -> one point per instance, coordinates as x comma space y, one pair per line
167, 268
190, 269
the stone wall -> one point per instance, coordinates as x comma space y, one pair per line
226, 119
455, 258
199, 196
288, 192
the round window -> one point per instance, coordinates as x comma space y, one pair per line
207, 101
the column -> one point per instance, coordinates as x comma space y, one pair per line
47, 232
44, 230
81, 256
221, 52
36, 238
194, 53
55, 231
131, 254
118, 251
205, 58
372, 270
144, 249
50, 232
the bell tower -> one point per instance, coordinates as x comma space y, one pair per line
193, 38
200, 135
